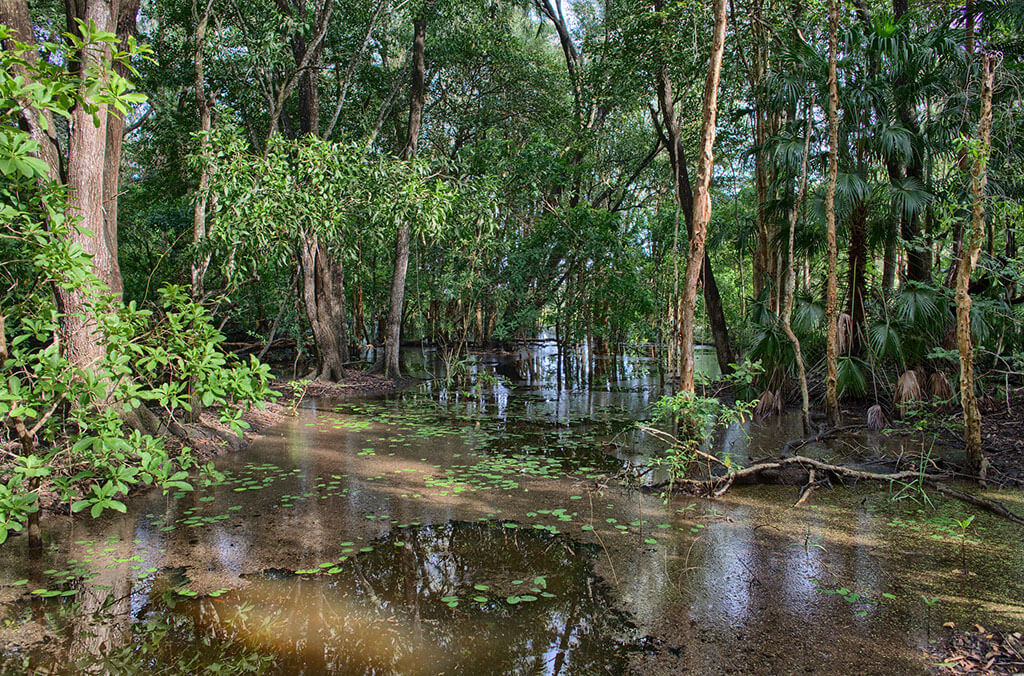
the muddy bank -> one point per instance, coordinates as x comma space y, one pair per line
212, 438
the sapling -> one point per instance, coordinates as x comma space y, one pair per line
964, 524
929, 601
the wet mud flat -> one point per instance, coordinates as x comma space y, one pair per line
484, 533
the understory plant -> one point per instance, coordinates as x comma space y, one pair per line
89, 430
695, 420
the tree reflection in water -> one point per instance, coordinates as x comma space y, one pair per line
391, 610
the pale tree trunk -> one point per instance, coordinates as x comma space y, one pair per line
684, 204
831, 300
975, 465
701, 200
393, 332
199, 209
787, 306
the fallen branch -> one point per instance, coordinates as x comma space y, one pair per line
988, 505
809, 463
716, 486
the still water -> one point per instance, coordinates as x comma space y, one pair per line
488, 531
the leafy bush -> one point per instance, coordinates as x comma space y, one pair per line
66, 423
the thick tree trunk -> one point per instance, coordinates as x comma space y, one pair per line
856, 280
968, 259
393, 334
919, 265
87, 153
322, 281
701, 200
15, 15
831, 301
889, 266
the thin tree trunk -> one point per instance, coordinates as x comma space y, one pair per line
392, 341
968, 259
831, 379
787, 307
684, 204
701, 199
205, 126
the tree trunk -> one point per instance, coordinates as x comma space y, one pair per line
831, 379
968, 259
919, 265
15, 15
701, 199
856, 277
87, 153
393, 334
205, 126
787, 306
322, 282
684, 202
126, 28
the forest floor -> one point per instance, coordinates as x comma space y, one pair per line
979, 651
1002, 434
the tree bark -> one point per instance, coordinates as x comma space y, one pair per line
856, 276
126, 28
968, 259
15, 15
393, 333
919, 265
322, 282
87, 152
701, 199
684, 201
787, 306
204, 104
831, 318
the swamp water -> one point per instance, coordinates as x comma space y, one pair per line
483, 533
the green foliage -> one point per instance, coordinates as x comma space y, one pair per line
698, 419
69, 419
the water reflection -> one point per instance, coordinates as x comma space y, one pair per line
410, 607
406, 506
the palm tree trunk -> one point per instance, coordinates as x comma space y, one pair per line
831, 379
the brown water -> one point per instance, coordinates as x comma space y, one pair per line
480, 533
